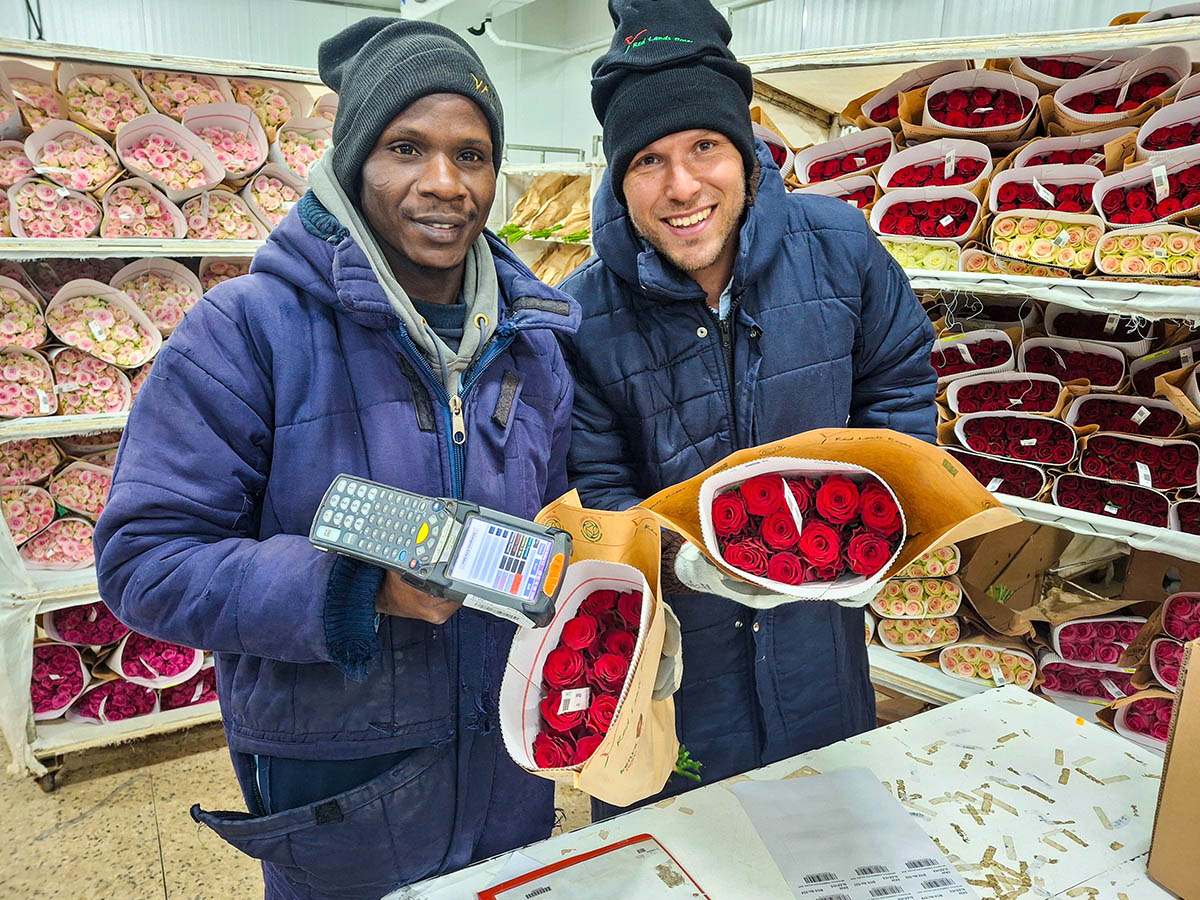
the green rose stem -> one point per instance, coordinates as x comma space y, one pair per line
686, 766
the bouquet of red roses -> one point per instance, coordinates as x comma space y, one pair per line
1125, 415
1165, 465
1143, 506
1004, 391
807, 528
1013, 478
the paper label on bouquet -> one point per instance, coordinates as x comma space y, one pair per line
983, 109
1143, 471
794, 508
66, 387
1060, 239
153, 671
97, 330
1043, 192
995, 483
1095, 159
997, 675
1121, 95
204, 205
860, 161
1161, 252
1111, 508
1140, 416
1028, 442
1014, 401
929, 633
1187, 356
53, 677
63, 192
43, 401
1162, 189
946, 220
965, 352
948, 167
1113, 688
575, 700
1111, 323
197, 692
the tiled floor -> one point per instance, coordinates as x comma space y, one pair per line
118, 827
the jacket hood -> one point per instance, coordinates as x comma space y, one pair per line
313, 251
635, 262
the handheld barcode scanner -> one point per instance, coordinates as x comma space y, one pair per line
478, 557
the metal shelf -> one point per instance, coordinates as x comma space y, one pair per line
41, 248
58, 736
50, 51
978, 47
60, 426
51, 590
906, 676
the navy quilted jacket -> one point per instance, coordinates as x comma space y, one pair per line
826, 332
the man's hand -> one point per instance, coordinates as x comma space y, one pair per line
397, 597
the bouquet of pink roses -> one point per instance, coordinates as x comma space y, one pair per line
27, 386
82, 487
21, 320
113, 701
40, 209
153, 663
88, 625
14, 164
72, 157
174, 93
215, 269
220, 215
100, 320
87, 385
59, 677
27, 510
162, 288
65, 544
200, 688
102, 98
134, 208
27, 461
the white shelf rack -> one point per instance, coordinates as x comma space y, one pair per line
58, 736
60, 426
906, 676
45, 248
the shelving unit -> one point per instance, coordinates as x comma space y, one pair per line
26, 594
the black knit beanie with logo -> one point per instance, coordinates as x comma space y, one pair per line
669, 69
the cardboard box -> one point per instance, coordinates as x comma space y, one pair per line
1177, 819
1155, 576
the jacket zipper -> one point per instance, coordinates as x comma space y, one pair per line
725, 328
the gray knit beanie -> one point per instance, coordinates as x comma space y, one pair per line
379, 66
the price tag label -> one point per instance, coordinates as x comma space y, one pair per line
997, 675
995, 483
53, 677
1186, 356
575, 700
1111, 508
65, 387
1140, 416
43, 402
1143, 471
97, 330
1060, 239
984, 109
965, 352
1162, 189
1161, 252
1028, 442
1123, 93
1044, 192
948, 166
860, 161
946, 220
1113, 688
204, 205
1111, 323
1095, 159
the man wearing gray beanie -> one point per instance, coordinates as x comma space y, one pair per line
383, 333
719, 313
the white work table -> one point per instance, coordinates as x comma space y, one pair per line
1026, 800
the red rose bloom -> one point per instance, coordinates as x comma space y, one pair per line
608, 673
557, 722
619, 642
600, 713
564, 668
580, 633
820, 545
729, 514
553, 751
598, 603
748, 555
779, 530
879, 511
837, 499
867, 553
585, 747
802, 491
785, 568
763, 494
630, 606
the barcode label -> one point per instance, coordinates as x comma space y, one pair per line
873, 870
926, 863
97, 330
998, 675
1028, 442
965, 352
575, 700
995, 483
1060, 239
43, 401
1140, 416
937, 883
1043, 192
948, 168
833, 897
1095, 159
887, 890
1111, 323
1186, 356
1143, 471
820, 877
1161, 252
946, 220
1112, 687
1162, 188
1111, 508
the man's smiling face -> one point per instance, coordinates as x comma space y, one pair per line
686, 194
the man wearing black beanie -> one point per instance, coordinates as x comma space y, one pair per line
719, 313
381, 332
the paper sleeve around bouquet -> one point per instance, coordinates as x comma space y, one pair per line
1164, 660
189, 150
940, 501
21, 319
76, 212
165, 312
918, 598
64, 545
1177, 123
943, 156
67, 316
121, 204
1159, 251
81, 487
881, 107
81, 444
920, 122
300, 143
27, 510
27, 384
1048, 238
1070, 360
1042, 180
325, 107
955, 210
10, 112
943, 562
113, 700
86, 104
859, 190
994, 661
1123, 333
86, 625
1181, 199
619, 551
240, 120
1152, 709
864, 151
87, 385
1108, 498
174, 93
922, 253
964, 351
105, 165
1170, 61
205, 212
1067, 680
1126, 415
274, 102
1160, 463
1107, 150
136, 655
1034, 69
34, 88
271, 192
14, 166
917, 637
1041, 395
1025, 480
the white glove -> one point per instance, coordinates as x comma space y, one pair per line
694, 570
670, 664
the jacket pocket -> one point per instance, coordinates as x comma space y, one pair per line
393, 830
